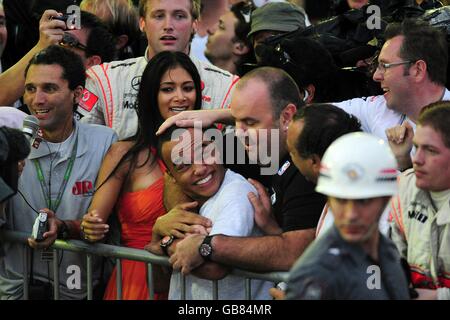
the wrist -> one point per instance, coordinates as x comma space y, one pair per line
165, 243
206, 248
73, 229
63, 229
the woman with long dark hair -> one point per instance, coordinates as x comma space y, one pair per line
130, 181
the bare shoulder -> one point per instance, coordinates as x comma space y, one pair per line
119, 149
115, 153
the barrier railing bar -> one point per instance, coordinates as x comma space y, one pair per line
119, 278
248, 289
150, 282
117, 252
55, 275
89, 279
215, 290
26, 258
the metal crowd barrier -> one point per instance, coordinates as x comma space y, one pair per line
119, 253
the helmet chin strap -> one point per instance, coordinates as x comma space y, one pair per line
306, 96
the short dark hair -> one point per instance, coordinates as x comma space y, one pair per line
71, 63
437, 116
166, 136
311, 63
195, 8
281, 88
422, 42
100, 40
15, 146
241, 11
323, 124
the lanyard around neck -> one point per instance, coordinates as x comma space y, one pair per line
53, 205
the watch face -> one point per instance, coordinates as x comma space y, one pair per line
167, 240
205, 250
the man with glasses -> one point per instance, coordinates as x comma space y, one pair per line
411, 70
94, 43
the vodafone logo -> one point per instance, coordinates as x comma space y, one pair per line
88, 100
86, 96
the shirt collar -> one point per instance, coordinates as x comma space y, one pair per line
43, 151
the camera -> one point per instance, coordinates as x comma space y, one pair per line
60, 18
71, 21
40, 226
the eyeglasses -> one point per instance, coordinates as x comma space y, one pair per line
70, 41
382, 67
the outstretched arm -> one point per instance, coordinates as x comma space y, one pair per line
105, 197
12, 81
185, 249
268, 253
205, 118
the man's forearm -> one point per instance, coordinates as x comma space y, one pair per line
206, 269
268, 253
12, 80
211, 271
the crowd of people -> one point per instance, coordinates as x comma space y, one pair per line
228, 134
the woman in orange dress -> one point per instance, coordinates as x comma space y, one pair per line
130, 181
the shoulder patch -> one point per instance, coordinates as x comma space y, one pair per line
332, 258
217, 71
284, 167
88, 100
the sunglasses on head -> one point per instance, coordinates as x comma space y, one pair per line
70, 41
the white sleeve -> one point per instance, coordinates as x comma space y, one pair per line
236, 216
361, 108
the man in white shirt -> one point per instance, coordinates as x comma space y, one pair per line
411, 70
221, 195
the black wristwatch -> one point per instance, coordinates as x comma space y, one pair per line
165, 243
205, 248
63, 232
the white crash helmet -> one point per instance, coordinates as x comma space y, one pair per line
358, 166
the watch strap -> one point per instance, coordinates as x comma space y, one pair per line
206, 249
63, 232
165, 244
